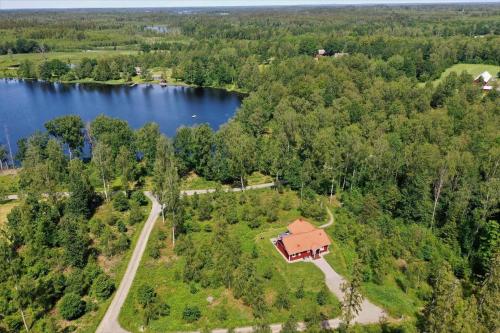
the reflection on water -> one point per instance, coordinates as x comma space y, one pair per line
25, 106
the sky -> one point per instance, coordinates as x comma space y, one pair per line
30, 4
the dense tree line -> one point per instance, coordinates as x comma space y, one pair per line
22, 45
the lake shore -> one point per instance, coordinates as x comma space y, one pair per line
121, 82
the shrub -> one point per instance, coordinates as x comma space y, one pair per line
312, 209
232, 216
135, 215
221, 313
103, 287
255, 252
282, 300
254, 223
120, 202
121, 245
155, 252
96, 226
145, 295
121, 226
300, 293
192, 289
191, 314
110, 219
161, 235
268, 274
139, 198
71, 306
272, 215
75, 282
322, 297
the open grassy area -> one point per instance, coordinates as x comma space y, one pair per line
195, 182
165, 275
9, 182
12, 60
473, 69
5, 208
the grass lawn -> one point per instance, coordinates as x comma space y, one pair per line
5, 208
473, 69
165, 275
195, 182
9, 181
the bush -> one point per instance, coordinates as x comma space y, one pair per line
254, 223
71, 306
121, 226
312, 209
322, 297
221, 313
121, 245
161, 235
103, 287
155, 252
282, 300
139, 198
232, 216
300, 293
268, 274
75, 282
135, 215
192, 289
191, 314
120, 202
146, 295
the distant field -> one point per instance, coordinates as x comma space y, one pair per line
7, 61
473, 69
5, 209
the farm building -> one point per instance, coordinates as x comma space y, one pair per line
484, 78
302, 240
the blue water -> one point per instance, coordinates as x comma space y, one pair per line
25, 106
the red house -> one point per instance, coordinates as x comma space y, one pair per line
302, 240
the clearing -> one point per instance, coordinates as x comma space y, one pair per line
165, 273
473, 69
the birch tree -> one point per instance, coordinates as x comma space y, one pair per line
102, 158
166, 180
351, 304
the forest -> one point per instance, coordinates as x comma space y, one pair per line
414, 165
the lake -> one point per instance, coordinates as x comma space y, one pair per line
25, 106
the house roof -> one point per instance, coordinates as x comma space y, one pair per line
300, 226
485, 76
312, 240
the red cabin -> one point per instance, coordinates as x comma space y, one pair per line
302, 240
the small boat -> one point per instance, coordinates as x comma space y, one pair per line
194, 116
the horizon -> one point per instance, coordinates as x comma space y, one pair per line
120, 4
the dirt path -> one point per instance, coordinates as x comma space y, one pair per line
109, 323
369, 314
330, 219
